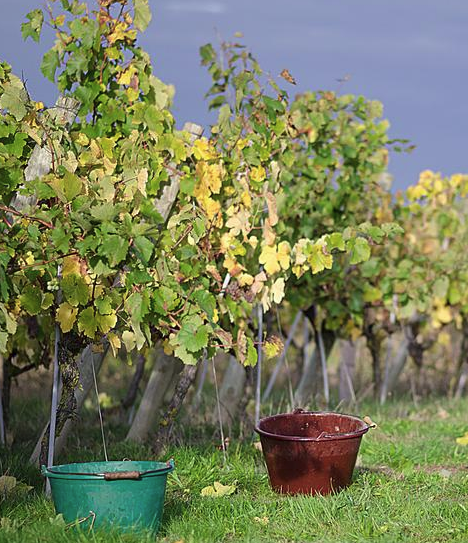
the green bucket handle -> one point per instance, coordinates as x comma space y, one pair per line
113, 475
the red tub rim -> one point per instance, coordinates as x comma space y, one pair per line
322, 437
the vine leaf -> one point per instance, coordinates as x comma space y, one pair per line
87, 322
218, 490
66, 316
75, 289
142, 14
31, 299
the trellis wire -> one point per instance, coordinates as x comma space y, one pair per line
283, 357
2, 421
323, 361
99, 409
55, 391
218, 405
258, 389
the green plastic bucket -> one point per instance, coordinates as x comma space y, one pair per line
126, 494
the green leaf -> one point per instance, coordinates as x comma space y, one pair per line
10, 322
104, 212
75, 289
60, 239
193, 334
251, 358
164, 300
454, 294
87, 322
73, 185
153, 118
106, 322
50, 63
31, 299
359, 250
207, 53
441, 286
372, 294
3, 342
47, 300
206, 301
85, 31
142, 17
13, 99
103, 305
186, 357
34, 26
137, 305
114, 248
335, 241
144, 247
67, 187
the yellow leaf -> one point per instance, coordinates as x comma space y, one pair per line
82, 139
443, 315
66, 316
277, 290
232, 266
246, 199
257, 174
129, 340
204, 149
269, 258
132, 94
218, 490
106, 322
262, 520
416, 192
272, 347
210, 207
245, 279
60, 20
71, 266
463, 440
209, 179
114, 342
284, 250
126, 76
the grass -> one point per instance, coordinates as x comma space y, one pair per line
410, 485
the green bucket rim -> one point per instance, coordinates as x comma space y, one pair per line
116, 470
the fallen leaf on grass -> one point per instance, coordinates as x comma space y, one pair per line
463, 440
218, 490
445, 473
442, 414
263, 520
9, 485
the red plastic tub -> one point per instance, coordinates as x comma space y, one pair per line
310, 453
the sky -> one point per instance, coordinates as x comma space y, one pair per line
412, 55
